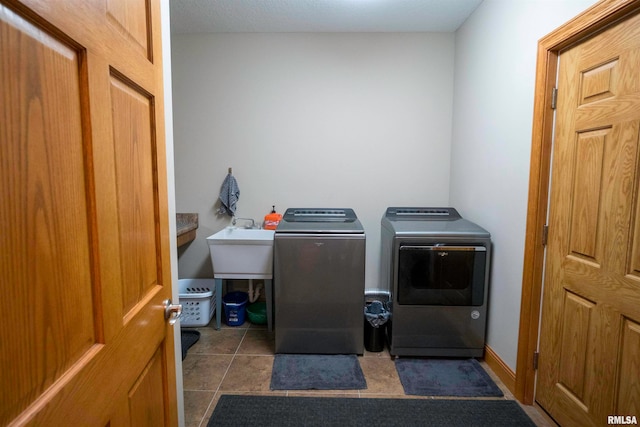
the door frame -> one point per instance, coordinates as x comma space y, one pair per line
588, 23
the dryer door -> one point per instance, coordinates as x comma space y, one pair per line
441, 274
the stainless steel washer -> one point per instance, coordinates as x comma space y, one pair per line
319, 268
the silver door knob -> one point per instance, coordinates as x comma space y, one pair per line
172, 312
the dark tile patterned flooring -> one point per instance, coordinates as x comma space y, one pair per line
238, 360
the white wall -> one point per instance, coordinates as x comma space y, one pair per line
310, 120
490, 151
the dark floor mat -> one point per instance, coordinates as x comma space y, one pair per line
445, 377
283, 411
188, 338
317, 372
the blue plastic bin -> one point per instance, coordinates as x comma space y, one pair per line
234, 304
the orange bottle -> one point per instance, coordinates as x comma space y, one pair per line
272, 219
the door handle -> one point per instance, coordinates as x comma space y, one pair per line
172, 312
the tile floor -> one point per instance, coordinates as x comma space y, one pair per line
238, 360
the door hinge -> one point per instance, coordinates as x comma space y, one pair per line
535, 360
554, 97
545, 234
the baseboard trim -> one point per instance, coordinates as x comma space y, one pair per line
501, 369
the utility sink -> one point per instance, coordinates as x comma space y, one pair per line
241, 253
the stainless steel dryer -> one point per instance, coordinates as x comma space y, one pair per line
436, 266
319, 267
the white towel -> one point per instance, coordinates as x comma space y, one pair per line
229, 195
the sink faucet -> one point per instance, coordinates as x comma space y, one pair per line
253, 223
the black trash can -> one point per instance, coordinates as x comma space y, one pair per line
375, 328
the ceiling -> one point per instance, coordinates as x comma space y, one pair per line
285, 16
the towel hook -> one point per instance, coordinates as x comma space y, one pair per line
230, 170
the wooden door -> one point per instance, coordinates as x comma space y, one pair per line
590, 334
84, 267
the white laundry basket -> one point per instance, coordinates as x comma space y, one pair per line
198, 299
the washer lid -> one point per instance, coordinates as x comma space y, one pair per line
319, 215
320, 220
